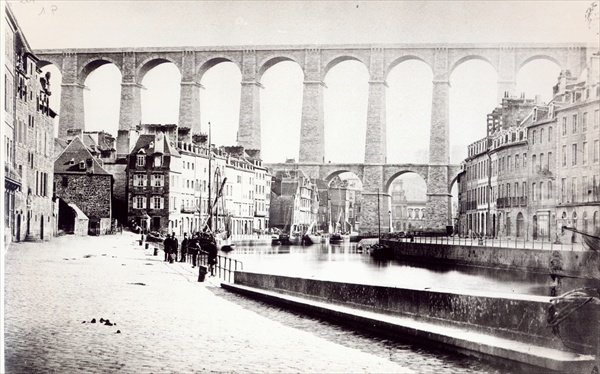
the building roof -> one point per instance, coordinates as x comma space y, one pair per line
147, 143
73, 154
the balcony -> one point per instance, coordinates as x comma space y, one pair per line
523, 201
188, 209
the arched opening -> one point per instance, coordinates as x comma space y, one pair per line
408, 112
160, 96
220, 102
472, 97
408, 202
344, 204
520, 225
537, 77
280, 124
345, 103
102, 99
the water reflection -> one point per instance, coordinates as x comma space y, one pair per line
346, 263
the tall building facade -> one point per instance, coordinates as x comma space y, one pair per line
30, 212
544, 171
577, 108
172, 185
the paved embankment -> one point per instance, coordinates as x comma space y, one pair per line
506, 326
168, 322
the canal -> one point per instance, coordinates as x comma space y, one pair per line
346, 263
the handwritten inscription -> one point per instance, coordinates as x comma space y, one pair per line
50, 9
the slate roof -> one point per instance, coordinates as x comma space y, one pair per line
144, 141
77, 151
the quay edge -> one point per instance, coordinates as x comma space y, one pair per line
511, 328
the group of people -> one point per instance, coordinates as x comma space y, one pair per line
191, 247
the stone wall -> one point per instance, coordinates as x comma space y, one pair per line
91, 193
517, 317
570, 263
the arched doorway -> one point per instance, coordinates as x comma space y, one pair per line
520, 224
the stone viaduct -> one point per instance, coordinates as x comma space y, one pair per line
315, 61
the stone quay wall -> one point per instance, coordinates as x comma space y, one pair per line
564, 263
517, 317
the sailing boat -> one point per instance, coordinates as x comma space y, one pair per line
218, 231
311, 237
380, 251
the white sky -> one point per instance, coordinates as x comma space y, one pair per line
96, 24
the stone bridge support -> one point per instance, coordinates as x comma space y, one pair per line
312, 126
438, 198
249, 125
507, 73
376, 203
130, 114
71, 100
375, 144
189, 99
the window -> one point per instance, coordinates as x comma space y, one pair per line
533, 137
541, 191
139, 202
550, 133
139, 180
564, 125
574, 154
584, 188
549, 190
574, 124
158, 161
563, 189
533, 163
156, 202
596, 151
524, 159
573, 189
141, 160
585, 153
157, 180
517, 162
541, 135
564, 155
584, 122
65, 181
533, 191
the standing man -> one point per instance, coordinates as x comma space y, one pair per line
174, 247
167, 247
193, 246
184, 247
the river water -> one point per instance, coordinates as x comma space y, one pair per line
345, 263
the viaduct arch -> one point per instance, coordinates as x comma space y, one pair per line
315, 61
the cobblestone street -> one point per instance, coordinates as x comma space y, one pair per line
168, 322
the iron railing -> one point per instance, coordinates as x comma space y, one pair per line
224, 268
573, 243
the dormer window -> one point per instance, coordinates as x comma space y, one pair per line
158, 161
141, 160
82, 165
535, 114
72, 161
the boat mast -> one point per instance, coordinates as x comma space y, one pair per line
378, 216
209, 179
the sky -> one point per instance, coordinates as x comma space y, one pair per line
120, 23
